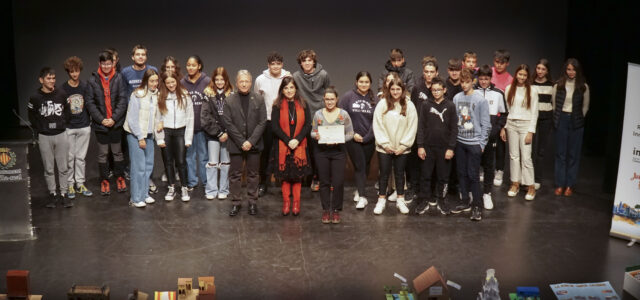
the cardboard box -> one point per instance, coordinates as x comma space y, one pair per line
88, 292
31, 297
430, 285
18, 284
207, 288
631, 283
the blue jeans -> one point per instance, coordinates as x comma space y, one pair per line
141, 167
468, 167
199, 147
568, 147
219, 163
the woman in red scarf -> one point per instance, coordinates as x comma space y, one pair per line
291, 123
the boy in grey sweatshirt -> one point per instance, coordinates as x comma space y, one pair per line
474, 125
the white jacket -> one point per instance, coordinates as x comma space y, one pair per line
177, 117
393, 129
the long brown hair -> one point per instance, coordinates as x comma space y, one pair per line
181, 92
514, 85
403, 97
145, 81
580, 81
212, 88
285, 81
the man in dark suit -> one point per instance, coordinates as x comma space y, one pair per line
245, 118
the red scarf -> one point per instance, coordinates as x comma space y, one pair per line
107, 92
299, 154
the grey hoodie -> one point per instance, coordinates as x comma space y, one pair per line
311, 86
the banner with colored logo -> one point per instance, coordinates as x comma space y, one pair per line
626, 206
15, 203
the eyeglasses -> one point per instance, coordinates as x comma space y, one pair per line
437, 90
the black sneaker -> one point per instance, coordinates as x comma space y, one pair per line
422, 208
52, 201
476, 214
443, 207
460, 208
66, 202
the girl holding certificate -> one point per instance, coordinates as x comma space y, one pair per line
290, 123
332, 127
395, 123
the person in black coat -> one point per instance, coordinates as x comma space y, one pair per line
245, 118
290, 123
107, 105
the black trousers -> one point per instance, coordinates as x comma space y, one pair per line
500, 154
239, 162
331, 161
175, 152
313, 148
413, 169
361, 155
488, 163
265, 155
399, 162
434, 161
541, 142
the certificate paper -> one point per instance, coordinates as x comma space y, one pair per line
332, 134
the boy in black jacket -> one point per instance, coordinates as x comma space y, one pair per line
49, 114
436, 139
107, 105
498, 113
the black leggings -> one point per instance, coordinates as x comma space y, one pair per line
360, 155
331, 161
399, 162
175, 151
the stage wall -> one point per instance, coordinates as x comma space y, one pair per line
348, 36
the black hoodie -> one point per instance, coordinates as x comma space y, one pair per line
405, 74
437, 125
49, 112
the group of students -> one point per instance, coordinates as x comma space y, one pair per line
422, 128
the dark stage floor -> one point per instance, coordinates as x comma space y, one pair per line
102, 240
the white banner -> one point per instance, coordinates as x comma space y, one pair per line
626, 207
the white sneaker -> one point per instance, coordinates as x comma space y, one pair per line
497, 180
170, 194
356, 196
362, 202
138, 204
149, 200
481, 175
380, 206
537, 185
164, 177
185, 194
488, 203
210, 197
402, 207
393, 197
222, 196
